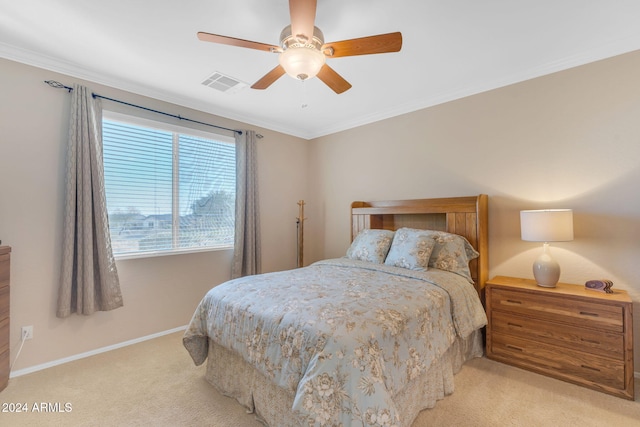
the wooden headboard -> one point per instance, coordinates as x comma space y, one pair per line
466, 216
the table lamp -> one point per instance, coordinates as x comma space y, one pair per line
547, 225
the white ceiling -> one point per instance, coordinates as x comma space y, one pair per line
451, 49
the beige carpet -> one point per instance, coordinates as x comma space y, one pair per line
154, 383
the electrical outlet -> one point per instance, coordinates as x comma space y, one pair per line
27, 332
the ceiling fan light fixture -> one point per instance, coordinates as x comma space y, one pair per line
303, 53
303, 62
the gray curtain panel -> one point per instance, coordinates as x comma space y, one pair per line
89, 278
247, 259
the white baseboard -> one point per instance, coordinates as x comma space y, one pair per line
36, 368
51, 364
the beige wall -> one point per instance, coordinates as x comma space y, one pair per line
571, 139
159, 293
568, 140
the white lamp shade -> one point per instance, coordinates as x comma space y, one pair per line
548, 225
302, 62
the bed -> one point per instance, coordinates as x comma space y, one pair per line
368, 339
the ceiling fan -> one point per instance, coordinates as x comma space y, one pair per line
303, 51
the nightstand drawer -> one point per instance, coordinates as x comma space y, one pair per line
4, 270
4, 302
4, 369
560, 308
4, 335
606, 344
561, 363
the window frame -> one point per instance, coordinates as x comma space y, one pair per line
175, 129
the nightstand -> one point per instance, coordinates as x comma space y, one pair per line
567, 332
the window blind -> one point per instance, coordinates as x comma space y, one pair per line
167, 190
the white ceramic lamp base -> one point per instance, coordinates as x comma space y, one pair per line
546, 270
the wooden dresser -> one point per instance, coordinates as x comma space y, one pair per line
5, 254
567, 332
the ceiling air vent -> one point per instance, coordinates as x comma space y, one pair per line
224, 83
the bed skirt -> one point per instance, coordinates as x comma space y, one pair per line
234, 377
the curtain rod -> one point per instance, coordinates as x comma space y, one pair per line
59, 85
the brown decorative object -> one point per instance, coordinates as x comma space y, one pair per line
602, 285
300, 221
566, 332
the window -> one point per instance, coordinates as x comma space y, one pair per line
168, 188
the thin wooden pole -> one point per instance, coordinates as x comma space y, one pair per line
300, 221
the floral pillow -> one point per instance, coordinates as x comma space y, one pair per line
371, 245
452, 252
411, 249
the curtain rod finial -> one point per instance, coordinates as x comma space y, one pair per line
58, 85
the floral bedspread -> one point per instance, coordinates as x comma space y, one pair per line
345, 336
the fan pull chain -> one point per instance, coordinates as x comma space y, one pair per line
304, 104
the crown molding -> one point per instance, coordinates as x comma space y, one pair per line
598, 53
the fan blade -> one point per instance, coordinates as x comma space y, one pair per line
214, 38
333, 79
382, 43
269, 78
303, 17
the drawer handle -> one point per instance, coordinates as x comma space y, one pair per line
590, 341
586, 313
514, 325
590, 367
513, 347
512, 301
